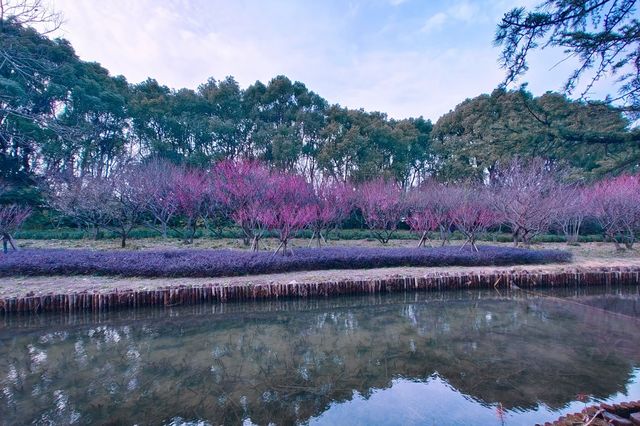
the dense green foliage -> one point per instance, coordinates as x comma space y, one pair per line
602, 35
487, 130
61, 115
71, 116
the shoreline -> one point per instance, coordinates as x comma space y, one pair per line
98, 294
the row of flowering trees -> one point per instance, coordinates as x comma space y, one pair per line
257, 199
527, 198
12, 216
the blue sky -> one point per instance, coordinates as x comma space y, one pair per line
402, 57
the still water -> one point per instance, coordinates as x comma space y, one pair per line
481, 357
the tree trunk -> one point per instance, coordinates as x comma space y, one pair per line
193, 232
317, 237
277, 248
123, 242
255, 243
474, 247
423, 239
248, 237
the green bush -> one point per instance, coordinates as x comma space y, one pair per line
236, 233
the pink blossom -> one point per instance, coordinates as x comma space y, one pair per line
615, 203
241, 189
289, 206
382, 206
191, 188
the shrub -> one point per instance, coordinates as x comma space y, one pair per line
217, 263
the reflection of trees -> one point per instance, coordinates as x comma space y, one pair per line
288, 361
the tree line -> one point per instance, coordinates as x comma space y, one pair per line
529, 197
62, 115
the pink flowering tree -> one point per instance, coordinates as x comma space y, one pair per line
524, 195
11, 219
289, 207
241, 188
615, 204
571, 207
128, 201
191, 187
332, 204
382, 205
214, 213
159, 182
87, 200
474, 214
429, 209
420, 217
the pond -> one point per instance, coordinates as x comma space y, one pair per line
473, 357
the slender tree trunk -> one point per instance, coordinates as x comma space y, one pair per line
248, 237
473, 244
255, 243
123, 242
421, 243
278, 248
317, 237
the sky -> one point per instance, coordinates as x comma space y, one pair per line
406, 58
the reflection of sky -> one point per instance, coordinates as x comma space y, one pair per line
436, 402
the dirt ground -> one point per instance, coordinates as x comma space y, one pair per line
586, 256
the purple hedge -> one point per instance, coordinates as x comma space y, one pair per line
218, 263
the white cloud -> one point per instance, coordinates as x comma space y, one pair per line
434, 22
412, 83
463, 11
181, 44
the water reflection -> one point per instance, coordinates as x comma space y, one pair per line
419, 358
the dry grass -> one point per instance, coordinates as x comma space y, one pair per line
587, 250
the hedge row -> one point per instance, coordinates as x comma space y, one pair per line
235, 233
217, 263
